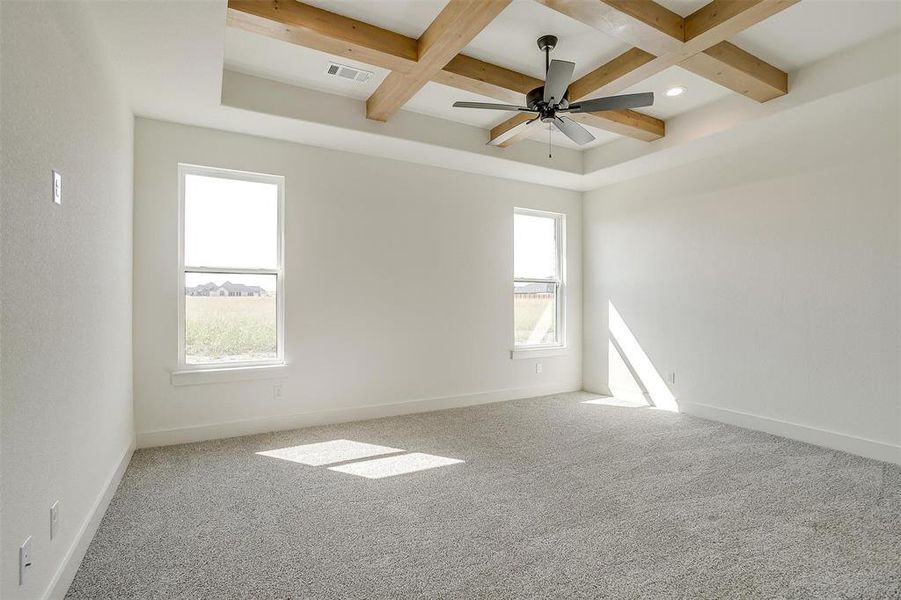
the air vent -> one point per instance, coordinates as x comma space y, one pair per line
351, 73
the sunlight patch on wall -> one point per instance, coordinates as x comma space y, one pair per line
620, 380
635, 357
327, 453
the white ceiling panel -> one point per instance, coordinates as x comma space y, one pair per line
558, 139
510, 40
289, 63
698, 92
409, 17
436, 100
814, 29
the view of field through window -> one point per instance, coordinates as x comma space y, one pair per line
535, 283
230, 318
535, 313
231, 227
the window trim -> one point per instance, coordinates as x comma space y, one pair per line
279, 272
520, 350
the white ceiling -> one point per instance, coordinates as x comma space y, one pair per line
409, 17
811, 30
789, 40
510, 40
168, 60
273, 59
698, 92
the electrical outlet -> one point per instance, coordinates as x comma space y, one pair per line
277, 392
538, 368
54, 519
57, 188
24, 560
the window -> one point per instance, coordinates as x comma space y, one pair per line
231, 279
538, 283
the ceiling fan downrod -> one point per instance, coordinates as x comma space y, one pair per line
547, 43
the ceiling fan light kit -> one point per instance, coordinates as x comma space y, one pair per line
553, 97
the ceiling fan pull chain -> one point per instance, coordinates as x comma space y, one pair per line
549, 142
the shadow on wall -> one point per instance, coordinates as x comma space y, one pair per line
632, 376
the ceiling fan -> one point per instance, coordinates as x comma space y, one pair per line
552, 99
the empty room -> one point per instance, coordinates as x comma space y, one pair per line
387, 299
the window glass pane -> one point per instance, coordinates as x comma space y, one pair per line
229, 318
534, 246
230, 223
535, 313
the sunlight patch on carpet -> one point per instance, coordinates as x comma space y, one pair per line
327, 453
395, 465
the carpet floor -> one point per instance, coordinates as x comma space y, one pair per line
554, 498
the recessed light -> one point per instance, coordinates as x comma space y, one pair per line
675, 91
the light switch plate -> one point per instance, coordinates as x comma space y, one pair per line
24, 560
54, 519
57, 188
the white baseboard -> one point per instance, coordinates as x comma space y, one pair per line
199, 433
64, 575
821, 437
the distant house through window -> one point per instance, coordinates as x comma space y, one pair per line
538, 283
231, 277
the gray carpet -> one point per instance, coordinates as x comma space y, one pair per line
555, 499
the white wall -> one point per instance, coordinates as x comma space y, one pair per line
766, 278
398, 287
65, 373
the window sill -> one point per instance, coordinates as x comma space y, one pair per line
226, 374
525, 353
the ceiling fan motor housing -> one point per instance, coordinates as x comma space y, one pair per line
535, 101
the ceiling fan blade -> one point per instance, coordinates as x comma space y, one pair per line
559, 74
490, 106
573, 130
613, 103
512, 132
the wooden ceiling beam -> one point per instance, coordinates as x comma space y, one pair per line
672, 40
643, 24
312, 27
321, 30
451, 31
661, 39
721, 19
486, 79
732, 67
507, 133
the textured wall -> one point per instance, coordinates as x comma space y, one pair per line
373, 247
65, 370
766, 278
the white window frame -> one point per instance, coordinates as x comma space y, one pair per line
559, 281
279, 272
